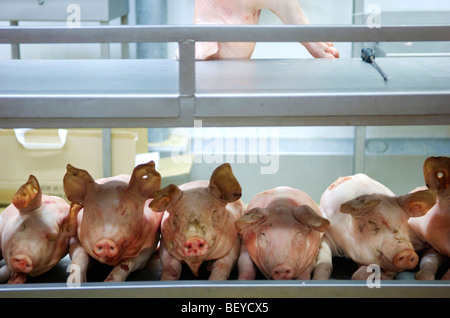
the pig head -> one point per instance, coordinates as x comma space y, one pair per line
431, 232
34, 232
247, 12
369, 223
198, 224
115, 225
282, 231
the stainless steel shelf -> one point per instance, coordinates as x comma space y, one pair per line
112, 93
146, 283
234, 289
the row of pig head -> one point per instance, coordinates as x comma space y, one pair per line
145, 183
122, 204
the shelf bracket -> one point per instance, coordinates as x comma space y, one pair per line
187, 68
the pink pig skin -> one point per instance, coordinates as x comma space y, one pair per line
198, 224
115, 224
369, 225
281, 232
247, 12
34, 233
431, 232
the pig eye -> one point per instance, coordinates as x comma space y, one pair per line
263, 238
51, 237
215, 216
373, 226
174, 220
301, 234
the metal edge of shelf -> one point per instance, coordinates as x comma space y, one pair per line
182, 111
235, 289
228, 105
129, 122
330, 104
221, 33
90, 106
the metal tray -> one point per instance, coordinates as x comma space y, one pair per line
146, 283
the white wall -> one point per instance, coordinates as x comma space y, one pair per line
410, 5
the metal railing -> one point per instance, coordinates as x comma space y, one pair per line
187, 35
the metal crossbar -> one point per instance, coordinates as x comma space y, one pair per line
288, 104
221, 33
187, 35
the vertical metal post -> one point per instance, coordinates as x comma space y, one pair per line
106, 152
358, 19
104, 47
125, 46
359, 149
151, 12
15, 49
106, 132
187, 68
359, 141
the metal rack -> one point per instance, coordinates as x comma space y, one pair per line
171, 93
235, 289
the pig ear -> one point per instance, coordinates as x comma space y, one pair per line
166, 198
436, 171
360, 205
251, 219
77, 183
306, 215
223, 185
417, 203
145, 180
70, 221
29, 195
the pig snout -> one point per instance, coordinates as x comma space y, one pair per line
22, 263
406, 259
195, 246
106, 248
282, 272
